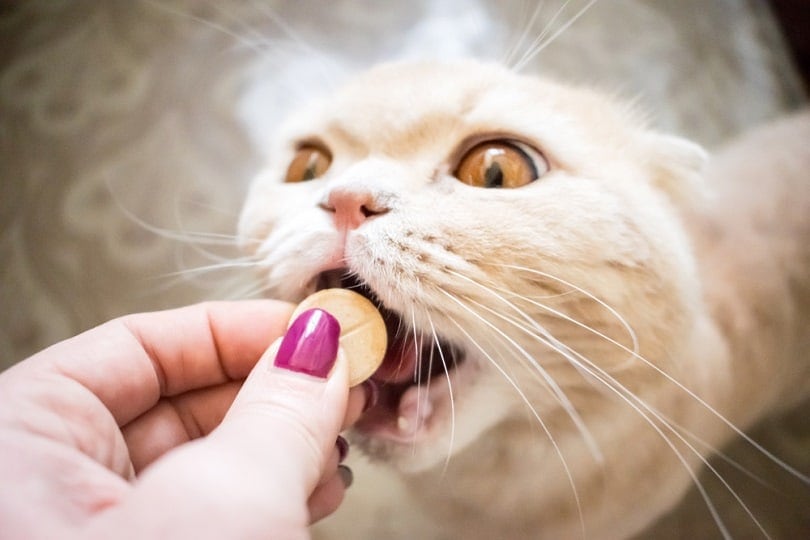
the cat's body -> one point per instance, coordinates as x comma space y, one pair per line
572, 303
752, 244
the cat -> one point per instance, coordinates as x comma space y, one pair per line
580, 309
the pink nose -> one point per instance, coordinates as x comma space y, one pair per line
352, 207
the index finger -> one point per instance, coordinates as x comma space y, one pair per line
131, 362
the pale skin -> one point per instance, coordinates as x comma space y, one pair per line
147, 427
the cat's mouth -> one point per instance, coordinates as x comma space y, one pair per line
414, 379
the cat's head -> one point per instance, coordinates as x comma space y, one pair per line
521, 237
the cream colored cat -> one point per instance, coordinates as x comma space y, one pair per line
586, 311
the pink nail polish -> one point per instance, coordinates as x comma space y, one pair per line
311, 344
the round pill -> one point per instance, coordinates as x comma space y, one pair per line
362, 329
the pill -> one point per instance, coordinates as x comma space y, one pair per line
362, 329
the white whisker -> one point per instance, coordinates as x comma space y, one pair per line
599, 301
510, 53
555, 388
417, 373
543, 33
584, 364
542, 45
792, 470
215, 26
212, 268
533, 411
450, 391
716, 452
525, 400
629, 397
324, 61
250, 290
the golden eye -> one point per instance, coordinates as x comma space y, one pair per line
501, 164
310, 162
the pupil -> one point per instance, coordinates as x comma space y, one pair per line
493, 177
312, 167
309, 173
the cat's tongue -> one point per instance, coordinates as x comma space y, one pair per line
399, 364
404, 408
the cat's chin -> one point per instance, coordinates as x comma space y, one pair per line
411, 422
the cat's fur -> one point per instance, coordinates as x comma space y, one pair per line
618, 315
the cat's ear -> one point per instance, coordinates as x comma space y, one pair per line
677, 167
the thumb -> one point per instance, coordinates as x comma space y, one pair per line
289, 412
252, 476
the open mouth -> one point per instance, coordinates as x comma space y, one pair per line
414, 377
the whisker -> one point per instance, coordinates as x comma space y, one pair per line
610, 309
512, 51
555, 388
629, 397
324, 61
450, 390
531, 408
542, 45
258, 36
543, 33
251, 290
417, 374
770, 455
619, 389
211, 24
187, 237
716, 452
212, 268
615, 386
567, 318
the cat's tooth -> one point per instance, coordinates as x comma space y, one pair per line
415, 410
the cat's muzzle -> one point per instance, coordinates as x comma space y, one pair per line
413, 358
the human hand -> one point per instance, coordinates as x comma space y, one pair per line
143, 428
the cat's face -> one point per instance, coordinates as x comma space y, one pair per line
508, 300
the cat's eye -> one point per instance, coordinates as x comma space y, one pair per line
501, 164
310, 162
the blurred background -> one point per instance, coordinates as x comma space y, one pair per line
129, 130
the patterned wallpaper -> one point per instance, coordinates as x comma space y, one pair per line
130, 128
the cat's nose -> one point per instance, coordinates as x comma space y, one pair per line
353, 206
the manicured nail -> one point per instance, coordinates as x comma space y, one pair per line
311, 344
346, 475
372, 390
343, 448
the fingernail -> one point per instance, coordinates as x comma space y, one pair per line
346, 475
343, 448
311, 344
372, 390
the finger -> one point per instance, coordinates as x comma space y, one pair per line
330, 468
295, 417
361, 398
179, 419
269, 452
327, 497
175, 421
129, 363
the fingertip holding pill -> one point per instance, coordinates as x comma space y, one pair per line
363, 335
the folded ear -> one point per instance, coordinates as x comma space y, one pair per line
677, 167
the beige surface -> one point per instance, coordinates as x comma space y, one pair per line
126, 127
